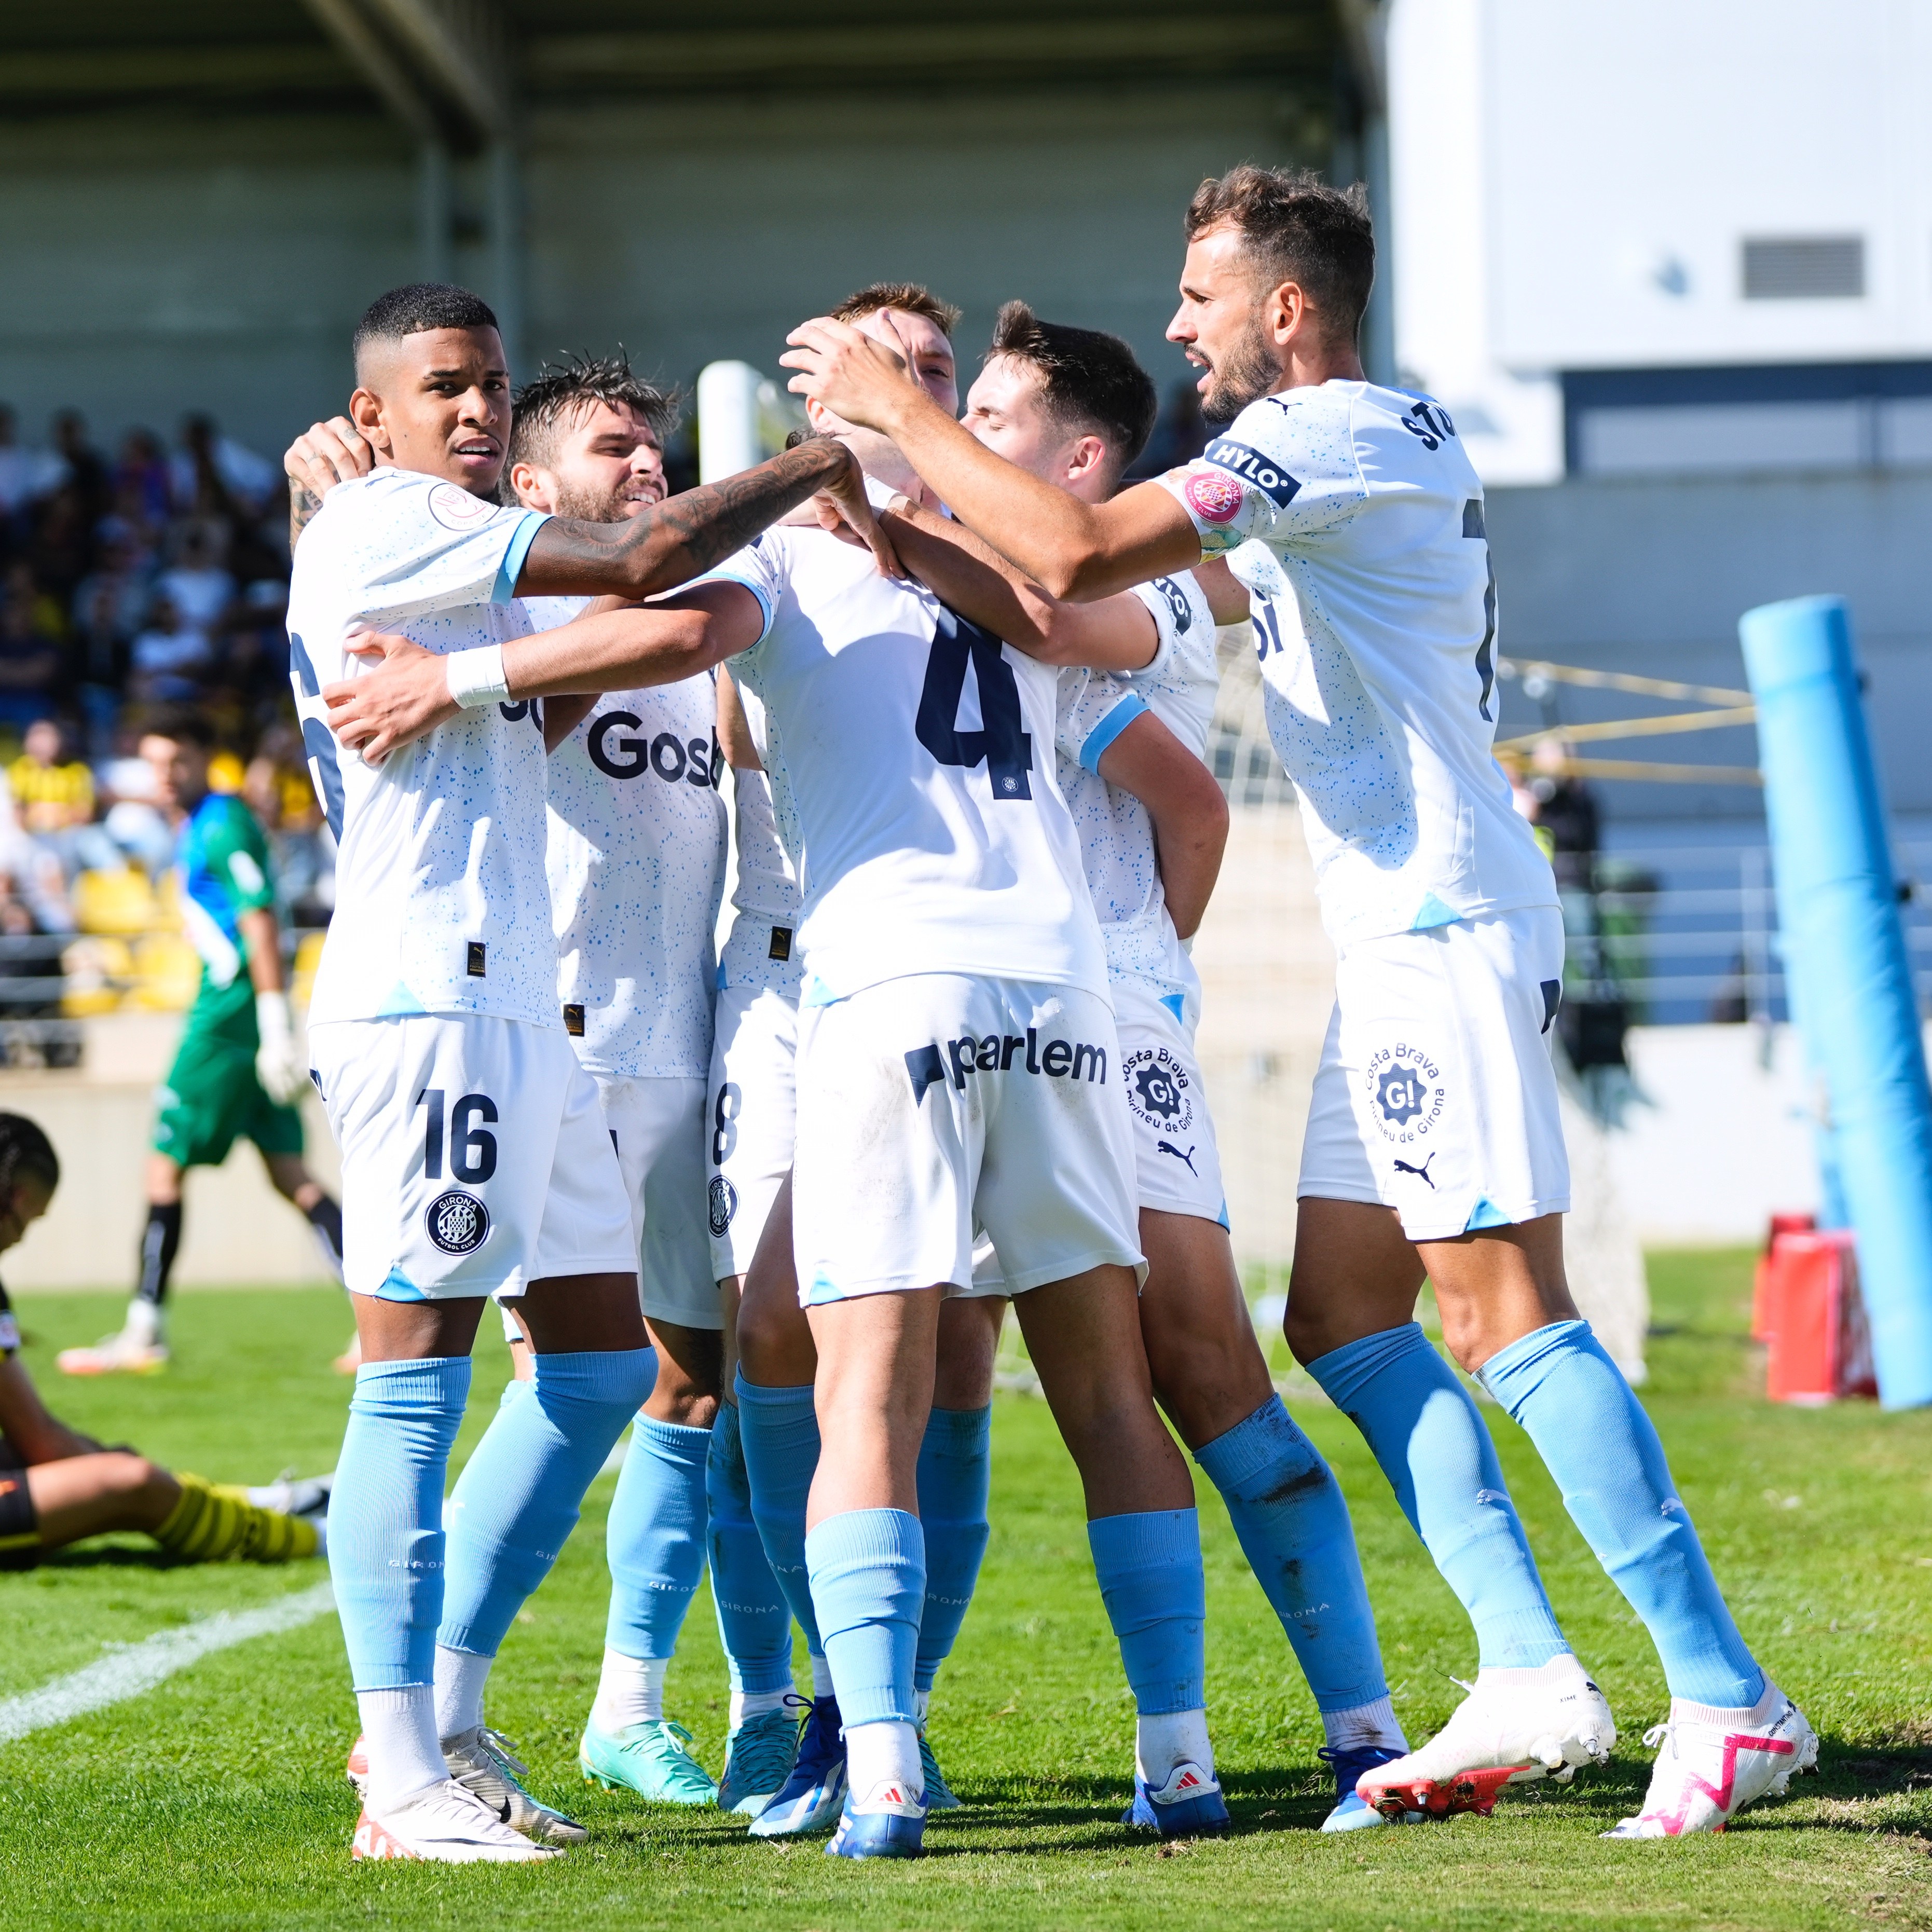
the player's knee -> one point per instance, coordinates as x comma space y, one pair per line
775, 1345
1305, 1328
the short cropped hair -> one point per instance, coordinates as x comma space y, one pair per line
26, 1154
1296, 228
910, 298
180, 724
562, 392
419, 306
1090, 382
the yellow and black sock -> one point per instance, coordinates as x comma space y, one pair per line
214, 1523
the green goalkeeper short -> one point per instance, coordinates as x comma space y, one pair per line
211, 1098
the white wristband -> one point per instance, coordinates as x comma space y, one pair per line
476, 677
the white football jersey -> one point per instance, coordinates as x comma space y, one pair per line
442, 906
1116, 834
1353, 516
636, 860
762, 948
916, 748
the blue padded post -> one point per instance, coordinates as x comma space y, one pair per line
1838, 907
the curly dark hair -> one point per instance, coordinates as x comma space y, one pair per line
559, 390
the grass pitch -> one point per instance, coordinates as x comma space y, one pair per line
217, 1799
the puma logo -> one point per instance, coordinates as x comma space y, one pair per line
1421, 1173
1187, 1158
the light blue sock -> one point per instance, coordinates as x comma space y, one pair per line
514, 1390
753, 1621
517, 1499
1426, 1433
1288, 1511
955, 1467
386, 1539
1596, 1440
655, 1537
1149, 1564
779, 1428
868, 1570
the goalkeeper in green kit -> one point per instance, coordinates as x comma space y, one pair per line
240, 1070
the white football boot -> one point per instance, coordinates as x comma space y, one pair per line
483, 1765
1713, 1763
139, 1347
1514, 1727
446, 1825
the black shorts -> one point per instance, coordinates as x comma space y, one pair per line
19, 1524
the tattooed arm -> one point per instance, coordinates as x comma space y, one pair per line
325, 454
685, 535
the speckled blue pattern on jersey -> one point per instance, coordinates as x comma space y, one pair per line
1344, 509
441, 905
935, 837
1116, 834
636, 860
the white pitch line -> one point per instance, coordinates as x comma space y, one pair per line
142, 1666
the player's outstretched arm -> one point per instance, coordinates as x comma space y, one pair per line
1189, 811
1116, 634
408, 690
685, 535
38, 1436
1073, 549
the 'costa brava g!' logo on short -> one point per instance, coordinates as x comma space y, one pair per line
458, 1223
1405, 1093
1158, 1089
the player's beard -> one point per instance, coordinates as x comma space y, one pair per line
1245, 374
592, 506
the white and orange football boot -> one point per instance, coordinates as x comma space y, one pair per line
1714, 1763
1514, 1727
443, 1824
486, 1767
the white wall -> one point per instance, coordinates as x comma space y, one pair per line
1573, 186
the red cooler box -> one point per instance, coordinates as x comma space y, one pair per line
1813, 1319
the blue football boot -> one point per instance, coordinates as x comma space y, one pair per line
1189, 1805
809, 1799
1352, 1812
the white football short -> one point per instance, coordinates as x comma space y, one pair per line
751, 1119
932, 1106
657, 1126
1177, 1163
475, 1156
1435, 1095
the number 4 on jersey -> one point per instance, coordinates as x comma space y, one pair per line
1002, 740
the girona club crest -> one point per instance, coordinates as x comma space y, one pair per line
1216, 498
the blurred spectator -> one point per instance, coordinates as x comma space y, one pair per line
26, 474
62, 548
171, 658
30, 974
142, 482
200, 590
30, 649
1566, 811
133, 817
54, 801
109, 608
86, 473
214, 476
280, 792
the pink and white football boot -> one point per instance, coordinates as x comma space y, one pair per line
1713, 1763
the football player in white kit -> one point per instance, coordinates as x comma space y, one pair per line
475, 1159
956, 1064
1072, 406
1353, 516
636, 862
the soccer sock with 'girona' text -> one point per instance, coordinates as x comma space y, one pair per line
1149, 1565
1595, 1439
518, 1497
779, 1430
754, 1620
1434, 1448
1289, 1513
655, 1537
385, 1557
955, 1473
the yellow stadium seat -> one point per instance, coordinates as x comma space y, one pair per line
95, 967
120, 902
167, 973
308, 957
